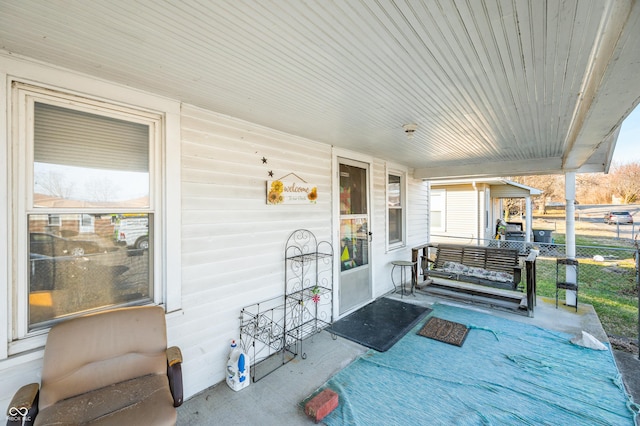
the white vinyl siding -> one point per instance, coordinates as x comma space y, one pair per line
417, 214
233, 242
459, 212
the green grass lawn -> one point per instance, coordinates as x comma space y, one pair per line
609, 286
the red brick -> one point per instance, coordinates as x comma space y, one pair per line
321, 405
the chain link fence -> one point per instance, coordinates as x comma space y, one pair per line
607, 279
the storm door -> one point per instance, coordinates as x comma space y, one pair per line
355, 280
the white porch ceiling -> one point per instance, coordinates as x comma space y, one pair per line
496, 87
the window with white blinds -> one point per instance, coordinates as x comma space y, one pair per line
77, 138
90, 163
88, 159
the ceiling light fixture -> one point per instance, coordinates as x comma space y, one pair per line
410, 129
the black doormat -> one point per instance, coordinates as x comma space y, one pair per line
445, 331
380, 324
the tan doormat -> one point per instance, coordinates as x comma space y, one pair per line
445, 331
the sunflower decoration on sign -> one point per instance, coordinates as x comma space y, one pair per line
313, 194
275, 192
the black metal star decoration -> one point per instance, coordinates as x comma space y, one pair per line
264, 160
270, 173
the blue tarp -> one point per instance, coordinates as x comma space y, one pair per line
506, 373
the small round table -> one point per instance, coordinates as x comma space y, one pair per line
403, 264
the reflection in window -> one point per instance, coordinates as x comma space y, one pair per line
85, 161
394, 206
81, 159
353, 184
72, 272
354, 246
54, 220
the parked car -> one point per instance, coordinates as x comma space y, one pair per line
133, 232
618, 217
53, 245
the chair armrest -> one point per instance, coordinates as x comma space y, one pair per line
174, 372
517, 274
174, 355
24, 405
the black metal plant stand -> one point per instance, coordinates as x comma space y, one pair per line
272, 332
308, 294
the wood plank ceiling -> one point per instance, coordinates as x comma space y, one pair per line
496, 87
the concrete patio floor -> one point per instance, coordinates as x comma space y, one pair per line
275, 399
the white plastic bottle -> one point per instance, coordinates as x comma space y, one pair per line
237, 368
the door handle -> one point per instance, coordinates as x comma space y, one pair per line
370, 236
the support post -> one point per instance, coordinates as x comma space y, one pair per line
530, 266
570, 237
638, 289
528, 219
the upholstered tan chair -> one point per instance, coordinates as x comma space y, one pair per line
109, 368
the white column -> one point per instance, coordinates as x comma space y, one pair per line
570, 237
529, 219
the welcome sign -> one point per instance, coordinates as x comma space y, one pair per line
287, 192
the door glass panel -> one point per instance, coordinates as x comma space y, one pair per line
354, 244
353, 194
355, 275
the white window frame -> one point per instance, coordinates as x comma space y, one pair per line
54, 220
403, 206
440, 194
86, 229
167, 264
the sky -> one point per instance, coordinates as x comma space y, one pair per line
628, 146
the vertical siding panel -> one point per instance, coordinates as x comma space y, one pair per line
378, 217
417, 212
459, 222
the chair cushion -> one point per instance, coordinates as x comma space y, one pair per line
88, 353
142, 401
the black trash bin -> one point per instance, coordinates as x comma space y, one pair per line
542, 236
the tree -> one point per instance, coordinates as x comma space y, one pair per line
624, 182
54, 184
552, 187
101, 190
593, 188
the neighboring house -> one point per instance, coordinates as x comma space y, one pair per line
465, 211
